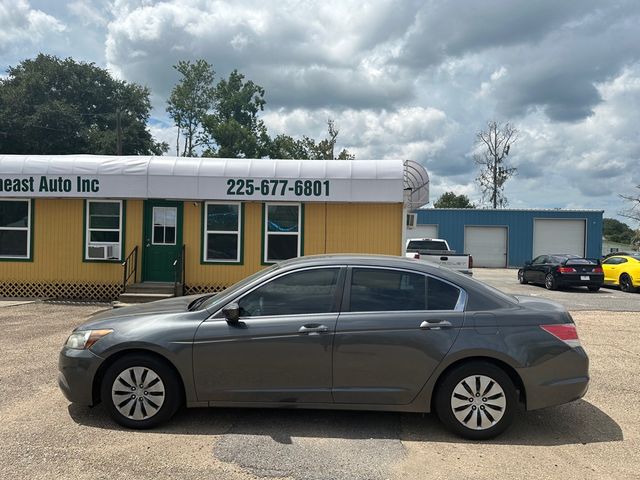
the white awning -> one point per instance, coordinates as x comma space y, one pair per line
193, 178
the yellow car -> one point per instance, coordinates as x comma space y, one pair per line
622, 271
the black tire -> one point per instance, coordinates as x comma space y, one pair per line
626, 284
445, 397
146, 399
550, 282
594, 288
521, 277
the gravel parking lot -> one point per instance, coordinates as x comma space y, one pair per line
42, 436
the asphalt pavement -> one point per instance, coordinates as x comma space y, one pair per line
573, 298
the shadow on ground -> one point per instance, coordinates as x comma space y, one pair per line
578, 422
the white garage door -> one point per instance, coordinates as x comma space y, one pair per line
487, 246
558, 236
423, 231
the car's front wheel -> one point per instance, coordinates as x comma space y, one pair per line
626, 284
521, 277
476, 400
140, 391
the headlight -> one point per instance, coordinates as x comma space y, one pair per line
83, 339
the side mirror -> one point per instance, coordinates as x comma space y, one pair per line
231, 312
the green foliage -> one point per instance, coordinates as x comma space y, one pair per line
451, 200
285, 146
54, 106
233, 129
189, 102
617, 231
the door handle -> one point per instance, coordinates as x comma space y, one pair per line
435, 325
313, 329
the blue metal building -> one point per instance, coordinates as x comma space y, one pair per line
509, 237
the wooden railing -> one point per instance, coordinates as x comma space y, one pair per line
179, 273
130, 268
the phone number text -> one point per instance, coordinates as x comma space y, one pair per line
277, 188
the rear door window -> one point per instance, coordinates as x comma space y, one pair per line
379, 290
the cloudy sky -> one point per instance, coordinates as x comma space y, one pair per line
402, 79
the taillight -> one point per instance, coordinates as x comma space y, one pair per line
566, 270
470, 261
416, 256
597, 270
564, 331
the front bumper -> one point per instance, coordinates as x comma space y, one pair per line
77, 371
561, 379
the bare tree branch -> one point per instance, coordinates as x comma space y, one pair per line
492, 146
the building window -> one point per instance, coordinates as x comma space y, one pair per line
222, 232
104, 230
165, 220
15, 229
282, 231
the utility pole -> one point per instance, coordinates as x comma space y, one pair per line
118, 133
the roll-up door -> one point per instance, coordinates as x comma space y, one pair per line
487, 245
558, 236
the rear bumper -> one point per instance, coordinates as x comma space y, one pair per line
77, 369
575, 281
561, 379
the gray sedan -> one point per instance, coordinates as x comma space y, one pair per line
339, 332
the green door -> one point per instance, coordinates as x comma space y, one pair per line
162, 240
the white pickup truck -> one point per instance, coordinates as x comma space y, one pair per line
437, 250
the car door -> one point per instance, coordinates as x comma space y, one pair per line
610, 268
280, 349
538, 269
394, 329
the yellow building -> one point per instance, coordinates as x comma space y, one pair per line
86, 227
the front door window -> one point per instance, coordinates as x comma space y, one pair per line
164, 225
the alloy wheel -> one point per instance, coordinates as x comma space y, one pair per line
478, 402
138, 393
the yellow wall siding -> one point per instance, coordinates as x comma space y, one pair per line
328, 228
215, 273
58, 246
364, 228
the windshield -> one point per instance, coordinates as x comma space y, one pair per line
237, 286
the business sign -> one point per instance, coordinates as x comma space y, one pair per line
202, 188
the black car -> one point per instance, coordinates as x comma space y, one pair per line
562, 270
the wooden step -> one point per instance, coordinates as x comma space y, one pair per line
133, 297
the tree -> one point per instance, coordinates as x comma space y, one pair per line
189, 102
54, 106
617, 231
233, 129
492, 147
285, 146
451, 200
633, 212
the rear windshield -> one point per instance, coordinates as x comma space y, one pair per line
426, 245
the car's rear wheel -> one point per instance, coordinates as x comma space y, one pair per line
521, 277
594, 288
476, 400
140, 391
626, 284
550, 282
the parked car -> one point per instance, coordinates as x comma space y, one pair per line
562, 270
623, 270
437, 250
333, 332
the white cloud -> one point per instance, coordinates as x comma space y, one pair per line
22, 24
